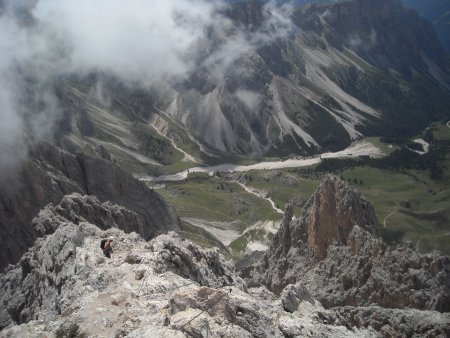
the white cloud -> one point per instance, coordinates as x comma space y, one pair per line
365, 43
11, 126
252, 100
141, 42
136, 40
237, 43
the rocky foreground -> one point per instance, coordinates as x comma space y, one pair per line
168, 287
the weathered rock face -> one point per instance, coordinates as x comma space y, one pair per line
334, 251
396, 322
293, 295
76, 208
366, 272
187, 260
331, 213
163, 288
329, 217
51, 173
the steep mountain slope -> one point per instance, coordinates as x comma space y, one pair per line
270, 81
296, 92
436, 11
50, 173
122, 121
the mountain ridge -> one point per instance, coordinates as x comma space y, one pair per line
294, 93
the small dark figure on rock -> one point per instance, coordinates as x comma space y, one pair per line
105, 245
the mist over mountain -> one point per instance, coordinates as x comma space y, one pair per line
302, 78
140, 43
244, 79
435, 11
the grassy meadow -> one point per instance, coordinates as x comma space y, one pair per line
409, 204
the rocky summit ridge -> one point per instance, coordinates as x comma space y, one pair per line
167, 287
327, 274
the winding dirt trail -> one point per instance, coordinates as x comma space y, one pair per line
386, 218
260, 194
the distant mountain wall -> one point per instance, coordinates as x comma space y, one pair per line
435, 11
438, 13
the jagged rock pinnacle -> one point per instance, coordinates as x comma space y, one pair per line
331, 213
335, 252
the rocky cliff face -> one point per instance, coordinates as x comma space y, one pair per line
437, 12
50, 173
76, 208
249, 14
335, 253
163, 288
337, 204
383, 32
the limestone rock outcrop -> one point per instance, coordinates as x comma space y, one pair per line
396, 322
293, 295
330, 215
78, 208
335, 252
366, 272
168, 287
206, 267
